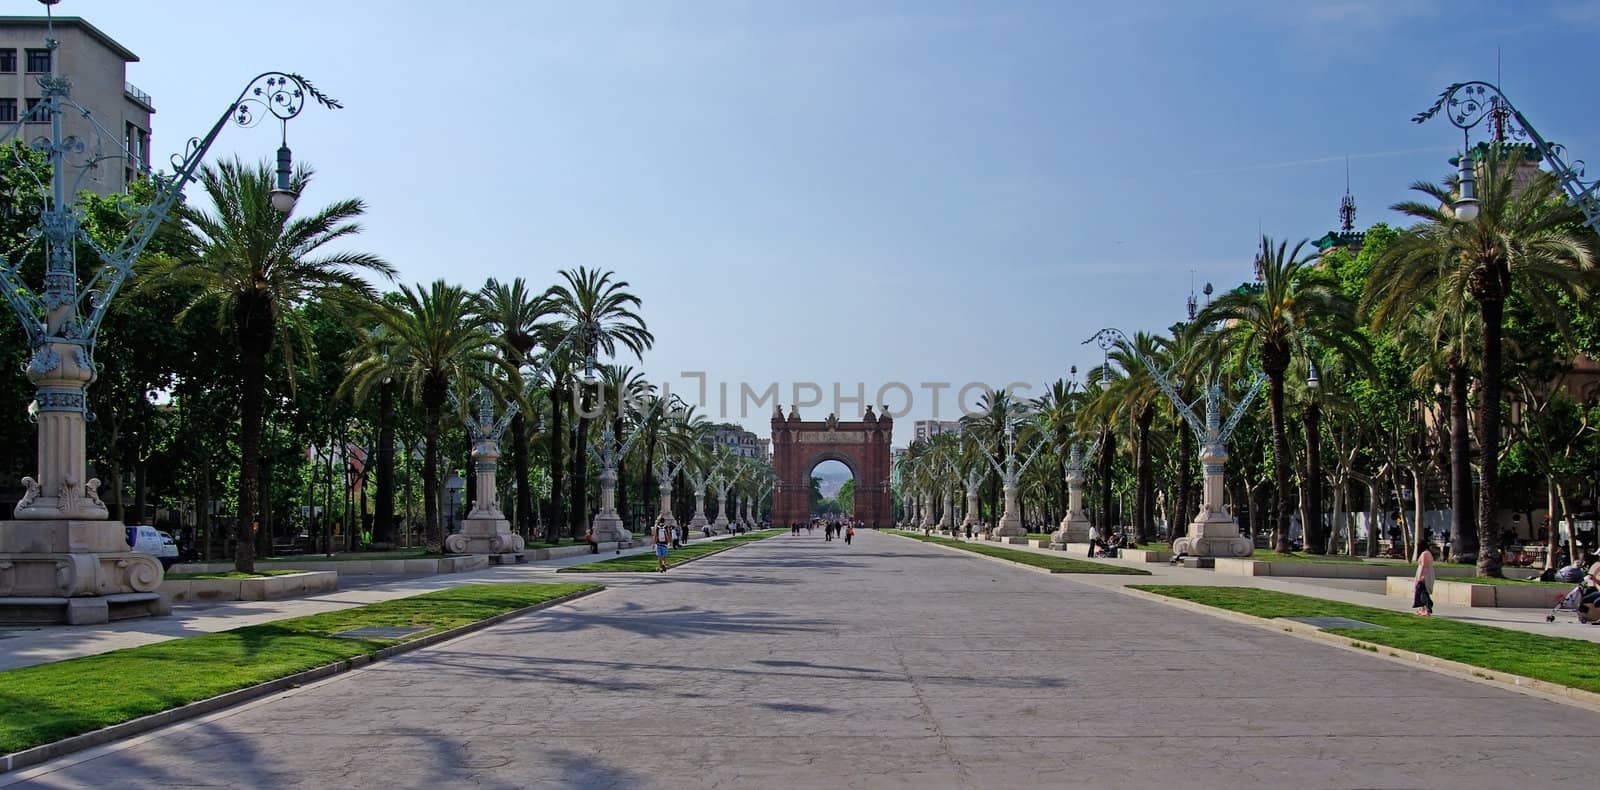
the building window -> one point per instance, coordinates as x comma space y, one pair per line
8, 110
8, 61
42, 117
38, 61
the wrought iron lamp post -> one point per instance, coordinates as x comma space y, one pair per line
1467, 104
60, 553
1213, 532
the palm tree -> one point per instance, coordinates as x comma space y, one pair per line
255, 266
1135, 395
1523, 238
435, 342
628, 391
604, 311
1290, 308
997, 410
515, 313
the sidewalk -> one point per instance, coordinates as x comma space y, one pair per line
1529, 620
22, 645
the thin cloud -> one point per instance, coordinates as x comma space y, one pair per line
1322, 160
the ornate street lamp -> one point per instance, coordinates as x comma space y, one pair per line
60, 547
1467, 104
1213, 532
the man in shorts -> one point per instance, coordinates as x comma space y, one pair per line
660, 537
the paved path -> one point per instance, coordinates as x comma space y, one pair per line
796, 663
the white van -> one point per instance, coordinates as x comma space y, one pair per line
158, 544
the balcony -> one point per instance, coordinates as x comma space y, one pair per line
132, 91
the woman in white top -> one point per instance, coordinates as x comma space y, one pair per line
1422, 593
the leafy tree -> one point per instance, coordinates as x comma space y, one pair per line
1288, 310
605, 313
1521, 239
434, 341
254, 264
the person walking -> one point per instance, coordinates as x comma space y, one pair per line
1422, 593
660, 537
849, 532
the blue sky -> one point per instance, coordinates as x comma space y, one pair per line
859, 191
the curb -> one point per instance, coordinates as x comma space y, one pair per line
680, 564
1013, 563
1544, 689
77, 743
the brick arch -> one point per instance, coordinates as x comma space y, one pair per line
863, 445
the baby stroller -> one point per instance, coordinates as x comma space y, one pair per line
1573, 602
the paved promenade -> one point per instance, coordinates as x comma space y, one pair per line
796, 663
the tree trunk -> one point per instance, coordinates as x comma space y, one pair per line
1108, 454
432, 408
1145, 479
384, 528
1280, 463
1316, 539
253, 324
558, 440
1489, 439
578, 518
645, 487
522, 502
1419, 510
1185, 457
1463, 538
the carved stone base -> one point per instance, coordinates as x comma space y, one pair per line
608, 527
1074, 529
1010, 526
485, 536
74, 572
1214, 535
698, 522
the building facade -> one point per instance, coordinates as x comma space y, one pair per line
738, 441
97, 67
923, 430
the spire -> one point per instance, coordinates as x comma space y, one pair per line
1191, 295
1347, 204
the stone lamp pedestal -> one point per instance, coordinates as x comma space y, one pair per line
61, 561
1075, 525
607, 525
1010, 525
1213, 533
698, 521
486, 530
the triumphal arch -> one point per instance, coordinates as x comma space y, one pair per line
862, 445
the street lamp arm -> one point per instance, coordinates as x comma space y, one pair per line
1108, 337
1467, 104
281, 94
515, 407
1244, 406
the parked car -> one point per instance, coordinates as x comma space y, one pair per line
158, 544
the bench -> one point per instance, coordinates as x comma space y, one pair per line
282, 548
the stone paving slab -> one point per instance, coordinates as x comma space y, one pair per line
886, 664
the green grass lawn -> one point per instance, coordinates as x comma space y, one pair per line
1569, 662
48, 702
228, 575
1054, 563
646, 562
